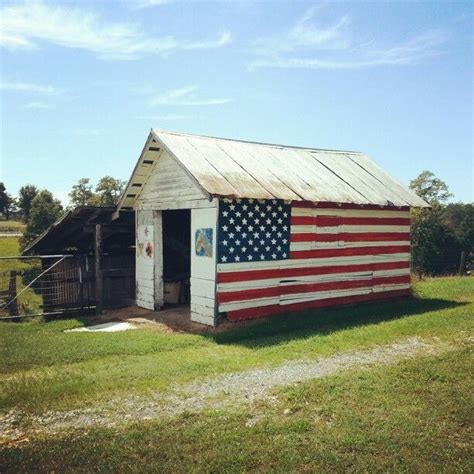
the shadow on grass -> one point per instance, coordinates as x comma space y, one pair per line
285, 327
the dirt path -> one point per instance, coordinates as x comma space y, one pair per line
218, 392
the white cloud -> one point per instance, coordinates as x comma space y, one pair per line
38, 105
165, 117
305, 46
185, 96
142, 4
27, 25
28, 87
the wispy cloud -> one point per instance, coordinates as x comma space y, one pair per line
309, 46
165, 117
28, 25
142, 4
39, 105
28, 87
185, 96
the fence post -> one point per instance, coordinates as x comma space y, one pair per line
462, 264
13, 306
98, 270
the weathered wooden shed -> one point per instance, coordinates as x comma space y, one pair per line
261, 229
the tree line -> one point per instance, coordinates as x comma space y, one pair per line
39, 209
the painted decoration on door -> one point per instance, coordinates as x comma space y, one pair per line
203, 242
145, 241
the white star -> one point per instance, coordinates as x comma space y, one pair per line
250, 201
262, 214
237, 258
273, 241
274, 256
285, 227
238, 214
224, 228
285, 214
257, 220
224, 258
232, 207
274, 214
267, 235
249, 256
244, 249
237, 228
285, 241
250, 228
262, 228
237, 242
224, 242
244, 234
244, 221
257, 207
279, 221
250, 213
231, 220
269, 208
267, 248
262, 257
279, 234
278, 248
262, 242
244, 207
269, 221
255, 249
280, 208
256, 234
231, 235
250, 242
225, 213
274, 228
274, 201
231, 250
284, 254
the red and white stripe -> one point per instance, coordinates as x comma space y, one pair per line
338, 255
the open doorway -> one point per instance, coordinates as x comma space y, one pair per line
176, 256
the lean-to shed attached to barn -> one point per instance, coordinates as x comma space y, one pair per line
259, 229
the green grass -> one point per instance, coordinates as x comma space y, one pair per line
415, 417
45, 368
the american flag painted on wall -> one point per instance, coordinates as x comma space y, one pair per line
275, 256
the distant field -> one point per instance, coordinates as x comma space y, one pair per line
413, 416
11, 226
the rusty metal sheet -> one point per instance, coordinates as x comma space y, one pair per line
233, 168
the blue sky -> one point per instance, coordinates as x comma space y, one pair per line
82, 83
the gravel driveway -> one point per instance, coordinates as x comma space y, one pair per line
217, 392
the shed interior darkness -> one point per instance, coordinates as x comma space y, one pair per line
177, 248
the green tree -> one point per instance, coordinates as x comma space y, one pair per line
108, 191
45, 210
81, 194
26, 194
432, 189
7, 202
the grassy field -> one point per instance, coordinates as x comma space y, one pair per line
415, 415
12, 226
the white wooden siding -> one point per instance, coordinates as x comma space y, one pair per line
203, 269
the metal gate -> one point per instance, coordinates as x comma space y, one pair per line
63, 284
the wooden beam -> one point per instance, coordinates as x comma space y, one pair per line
98, 269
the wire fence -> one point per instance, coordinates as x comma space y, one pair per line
47, 285
63, 284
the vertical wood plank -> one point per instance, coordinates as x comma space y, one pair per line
98, 269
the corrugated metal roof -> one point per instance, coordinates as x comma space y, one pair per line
237, 169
